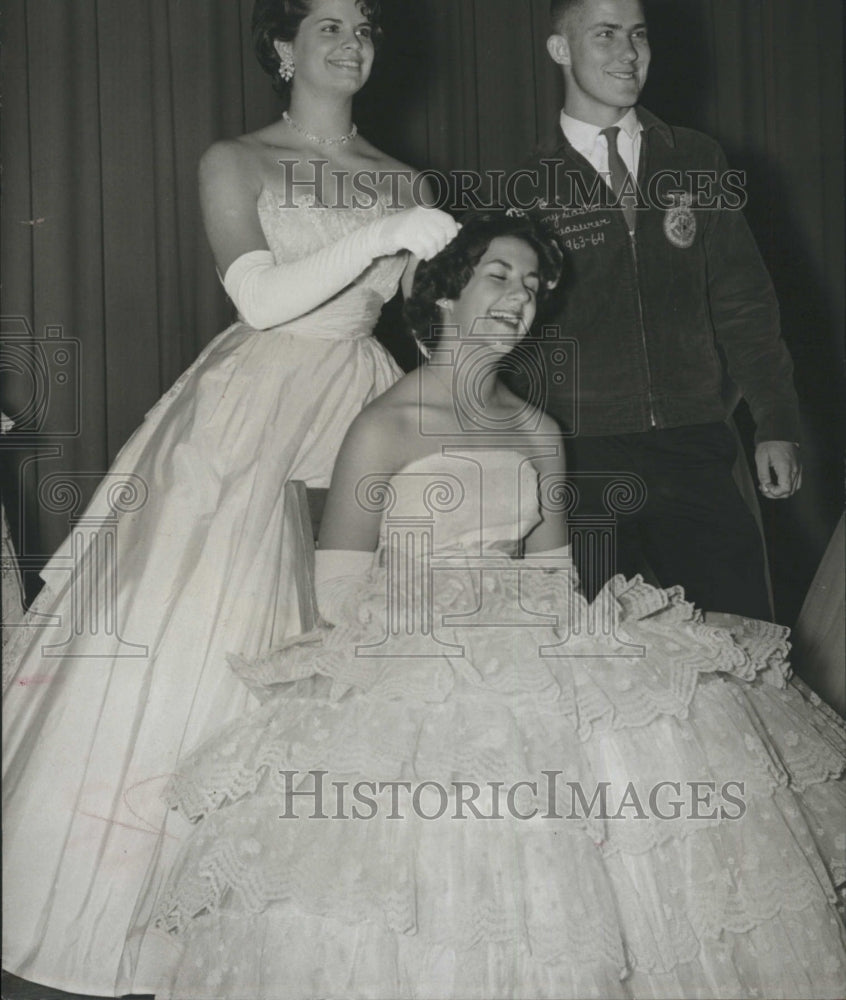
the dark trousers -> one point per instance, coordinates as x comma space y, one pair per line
693, 527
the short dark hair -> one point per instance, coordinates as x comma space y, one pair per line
558, 12
447, 274
280, 20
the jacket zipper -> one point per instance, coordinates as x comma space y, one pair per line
633, 245
641, 173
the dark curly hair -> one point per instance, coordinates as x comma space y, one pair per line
446, 275
280, 20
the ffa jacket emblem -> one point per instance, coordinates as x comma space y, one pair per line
680, 222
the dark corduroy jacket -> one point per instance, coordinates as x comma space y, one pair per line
655, 316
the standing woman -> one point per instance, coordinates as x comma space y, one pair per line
203, 568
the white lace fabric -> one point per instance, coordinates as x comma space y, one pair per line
555, 906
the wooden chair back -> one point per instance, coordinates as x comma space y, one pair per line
304, 509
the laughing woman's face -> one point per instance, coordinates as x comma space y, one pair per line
498, 304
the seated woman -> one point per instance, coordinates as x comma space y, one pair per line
472, 784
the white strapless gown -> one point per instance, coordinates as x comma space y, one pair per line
202, 569
733, 897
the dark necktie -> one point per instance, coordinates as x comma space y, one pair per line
620, 176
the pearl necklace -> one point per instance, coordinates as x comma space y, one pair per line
317, 139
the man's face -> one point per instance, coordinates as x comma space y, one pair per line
604, 53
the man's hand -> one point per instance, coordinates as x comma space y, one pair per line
779, 469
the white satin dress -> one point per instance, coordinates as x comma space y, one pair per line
186, 545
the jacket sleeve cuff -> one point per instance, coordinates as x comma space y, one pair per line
781, 425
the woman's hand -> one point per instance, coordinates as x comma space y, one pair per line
423, 231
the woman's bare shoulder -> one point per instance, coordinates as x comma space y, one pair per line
230, 161
384, 426
247, 158
396, 406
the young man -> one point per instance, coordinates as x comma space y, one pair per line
664, 284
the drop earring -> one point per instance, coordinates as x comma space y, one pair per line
286, 62
424, 350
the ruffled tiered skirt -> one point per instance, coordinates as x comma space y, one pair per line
652, 812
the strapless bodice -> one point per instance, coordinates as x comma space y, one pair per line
465, 500
298, 227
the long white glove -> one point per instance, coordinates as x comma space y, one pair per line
338, 575
267, 294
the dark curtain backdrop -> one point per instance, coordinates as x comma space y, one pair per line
109, 290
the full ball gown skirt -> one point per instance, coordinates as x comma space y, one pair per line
278, 896
201, 569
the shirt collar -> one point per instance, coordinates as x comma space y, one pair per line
582, 135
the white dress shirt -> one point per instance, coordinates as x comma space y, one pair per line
585, 139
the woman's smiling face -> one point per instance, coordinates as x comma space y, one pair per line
334, 46
498, 304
